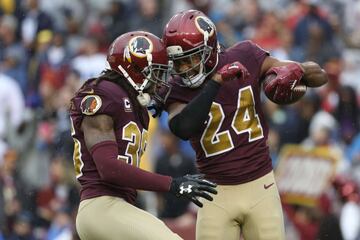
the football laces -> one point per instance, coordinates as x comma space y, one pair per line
293, 84
301, 88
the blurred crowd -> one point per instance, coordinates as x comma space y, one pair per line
49, 48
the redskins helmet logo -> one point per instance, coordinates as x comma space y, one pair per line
140, 46
90, 104
203, 24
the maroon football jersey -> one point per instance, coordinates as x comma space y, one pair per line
231, 146
131, 136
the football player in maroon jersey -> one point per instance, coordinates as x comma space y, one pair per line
109, 127
215, 103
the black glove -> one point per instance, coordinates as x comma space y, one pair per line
193, 186
155, 108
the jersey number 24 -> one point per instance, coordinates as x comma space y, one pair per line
245, 120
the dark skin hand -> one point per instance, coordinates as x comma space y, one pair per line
314, 76
97, 129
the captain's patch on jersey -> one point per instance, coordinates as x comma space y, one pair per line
127, 105
90, 104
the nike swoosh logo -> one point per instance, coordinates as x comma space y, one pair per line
89, 92
267, 186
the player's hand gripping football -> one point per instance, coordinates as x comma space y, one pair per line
285, 80
192, 187
231, 71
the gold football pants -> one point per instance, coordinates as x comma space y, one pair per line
252, 209
112, 218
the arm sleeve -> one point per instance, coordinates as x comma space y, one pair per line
193, 116
117, 172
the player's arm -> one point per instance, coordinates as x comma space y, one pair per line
186, 119
308, 72
100, 140
97, 129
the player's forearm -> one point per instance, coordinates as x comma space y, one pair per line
314, 75
117, 172
193, 116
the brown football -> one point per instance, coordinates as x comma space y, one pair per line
297, 92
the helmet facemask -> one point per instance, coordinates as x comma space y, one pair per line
196, 58
154, 85
191, 43
156, 81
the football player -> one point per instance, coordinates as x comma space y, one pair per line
109, 127
215, 103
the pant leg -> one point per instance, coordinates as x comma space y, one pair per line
110, 218
216, 220
264, 219
254, 208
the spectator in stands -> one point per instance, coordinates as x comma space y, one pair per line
148, 17
313, 18
12, 106
61, 226
33, 21
90, 62
347, 114
115, 19
13, 57
60, 194
54, 63
174, 163
347, 192
314, 35
22, 227
12, 195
